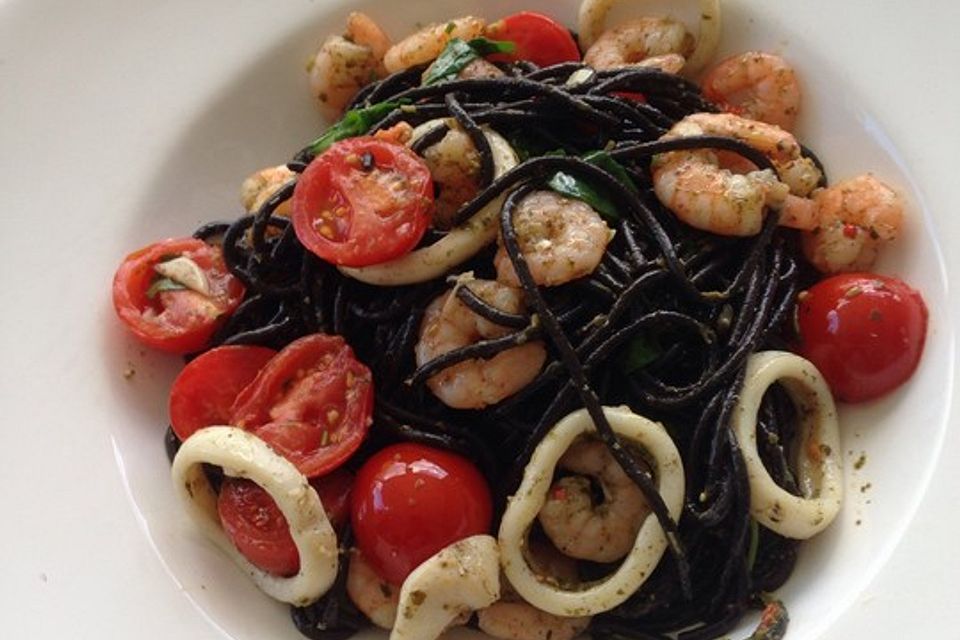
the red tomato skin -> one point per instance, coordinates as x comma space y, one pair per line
312, 402
205, 390
864, 332
410, 501
176, 321
335, 490
539, 39
354, 217
255, 524
259, 530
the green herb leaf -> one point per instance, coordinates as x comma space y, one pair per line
573, 187
486, 46
163, 284
355, 122
606, 162
640, 351
458, 54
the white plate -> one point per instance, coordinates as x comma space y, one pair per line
122, 122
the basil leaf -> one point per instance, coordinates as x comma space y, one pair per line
486, 46
640, 351
458, 54
355, 122
163, 284
606, 162
583, 190
572, 187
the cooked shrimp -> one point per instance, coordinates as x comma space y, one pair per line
374, 597
636, 40
427, 43
756, 85
511, 618
668, 63
581, 529
592, 17
855, 218
561, 238
449, 324
454, 164
346, 63
702, 193
260, 186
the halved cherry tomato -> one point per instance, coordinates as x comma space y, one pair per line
363, 201
410, 501
312, 402
165, 313
204, 392
255, 524
538, 38
863, 331
252, 520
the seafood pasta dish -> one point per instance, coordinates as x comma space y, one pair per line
544, 335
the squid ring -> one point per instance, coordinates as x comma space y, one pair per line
243, 455
651, 541
593, 15
819, 465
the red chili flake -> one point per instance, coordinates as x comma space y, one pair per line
559, 493
850, 231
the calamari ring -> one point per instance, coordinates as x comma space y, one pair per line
651, 542
243, 455
819, 466
593, 16
460, 244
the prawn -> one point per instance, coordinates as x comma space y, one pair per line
344, 64
427, 43
602, 532
261, 185
511, 618
373, 596
592, 17
854, 219
637, 40
756, 85
562, 239
454, 164
702, 193
449, 324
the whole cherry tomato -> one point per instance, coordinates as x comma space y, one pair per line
410, 501
363, 201
172, 295
255, 524
312, 402
538, 38
863, 331
204, 392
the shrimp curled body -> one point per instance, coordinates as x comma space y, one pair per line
560, 238
344, 64
855, 218
449, 324
638, 40
427, 43
756, 85
580, 529
705, 195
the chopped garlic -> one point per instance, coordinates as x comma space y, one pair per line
185, 271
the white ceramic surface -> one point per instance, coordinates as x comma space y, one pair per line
122, 122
